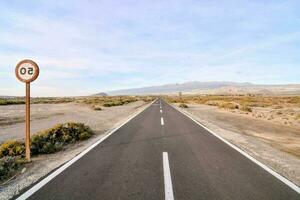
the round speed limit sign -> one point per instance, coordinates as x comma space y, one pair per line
27, 71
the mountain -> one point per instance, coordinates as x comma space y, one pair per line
226, 88
102, 94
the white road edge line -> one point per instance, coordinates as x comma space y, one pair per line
278, 176
51, 176
167, 178
162, 121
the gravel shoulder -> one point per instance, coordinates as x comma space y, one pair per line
102, 122
275, 145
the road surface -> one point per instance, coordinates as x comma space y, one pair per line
163, 154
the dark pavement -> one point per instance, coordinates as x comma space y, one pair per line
129, 165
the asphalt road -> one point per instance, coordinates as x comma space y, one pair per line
164, 155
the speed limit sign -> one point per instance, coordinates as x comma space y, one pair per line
27, 71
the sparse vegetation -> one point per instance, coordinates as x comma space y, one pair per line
44, 100
108, 101
271, 108
247, 100
97, 101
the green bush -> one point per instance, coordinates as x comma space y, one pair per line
12, 148
183, 105
54, 139
84, 136
4, 102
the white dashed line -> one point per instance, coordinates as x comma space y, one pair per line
167, 178
162, 121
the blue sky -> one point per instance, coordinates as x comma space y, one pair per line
88, 46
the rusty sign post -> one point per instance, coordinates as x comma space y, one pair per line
27, 71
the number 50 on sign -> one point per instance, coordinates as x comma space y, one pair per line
27, 71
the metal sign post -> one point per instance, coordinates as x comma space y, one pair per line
27, 71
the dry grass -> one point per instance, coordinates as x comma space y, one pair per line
43, 100
250, 101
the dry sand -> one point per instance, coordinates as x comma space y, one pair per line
276, 145
102, 122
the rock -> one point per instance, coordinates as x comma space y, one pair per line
23, 170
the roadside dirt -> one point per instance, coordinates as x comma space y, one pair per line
276, 145
44, 116
102, 122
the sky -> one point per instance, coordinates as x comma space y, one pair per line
89, 46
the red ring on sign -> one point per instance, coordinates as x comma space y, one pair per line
37, 71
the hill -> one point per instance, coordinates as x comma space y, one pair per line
225, 88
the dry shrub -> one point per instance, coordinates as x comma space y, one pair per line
183, 105
228, 105
96, 107
245, 108
212, 103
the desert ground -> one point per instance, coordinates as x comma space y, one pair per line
43, 116
271, 133
47, 115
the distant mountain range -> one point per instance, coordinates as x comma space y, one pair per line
225, 88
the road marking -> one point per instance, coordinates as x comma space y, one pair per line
265, 167
167, 178
40, 184
162, 121
160, 110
